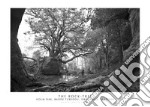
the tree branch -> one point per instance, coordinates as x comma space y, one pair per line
30, 58
42, 44
76, 57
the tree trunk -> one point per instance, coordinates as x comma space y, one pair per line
107, 52
100, 62
120, 42
121, 52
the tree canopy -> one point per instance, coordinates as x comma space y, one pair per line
60, 31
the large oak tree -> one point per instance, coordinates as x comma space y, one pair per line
60, 31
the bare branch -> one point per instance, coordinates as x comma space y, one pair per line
72, 52
46, 47
53, 17
30, 58
76, 57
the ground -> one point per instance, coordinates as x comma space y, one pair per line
74, 83
66, 83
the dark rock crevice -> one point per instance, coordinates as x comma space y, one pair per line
18, 78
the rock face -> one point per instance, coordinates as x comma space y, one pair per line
52, 68
18, 78
134, 45
135, 29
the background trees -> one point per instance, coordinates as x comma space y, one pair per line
109, 37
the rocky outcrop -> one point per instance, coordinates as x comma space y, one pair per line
135, 28
18, 78
52, 68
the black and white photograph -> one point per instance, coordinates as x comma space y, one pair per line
74, 49
75, 53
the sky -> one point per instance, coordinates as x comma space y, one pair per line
25, 41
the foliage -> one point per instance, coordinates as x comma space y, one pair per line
60, 30
111, 35
104, 16
96, 41
94, 38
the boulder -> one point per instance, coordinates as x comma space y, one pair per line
52, 68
